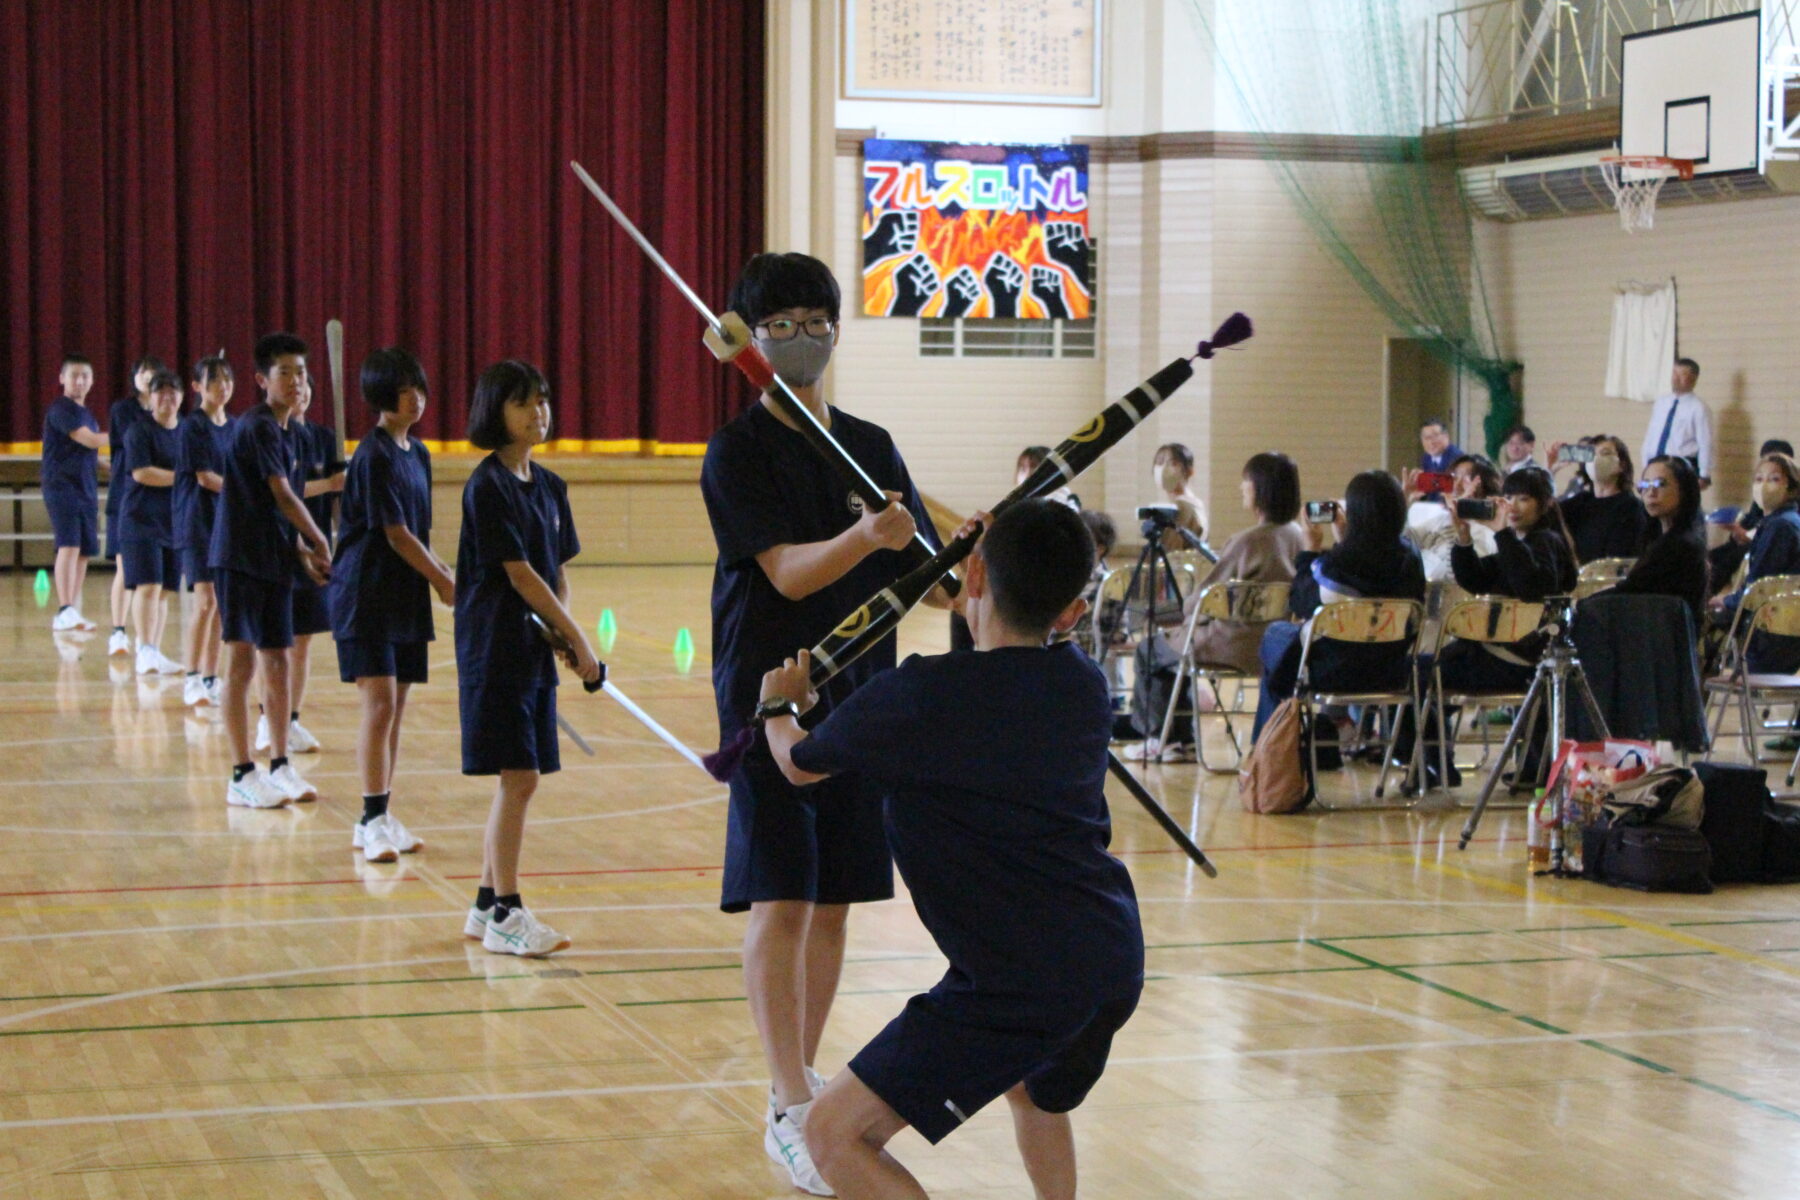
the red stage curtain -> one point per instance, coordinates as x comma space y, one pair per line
180, 175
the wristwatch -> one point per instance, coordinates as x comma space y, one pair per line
777, 706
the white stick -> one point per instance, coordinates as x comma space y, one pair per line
579, 741
650, 724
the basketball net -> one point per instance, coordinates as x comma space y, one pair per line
1635, 181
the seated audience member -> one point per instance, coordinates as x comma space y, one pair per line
1174, 470
1519, 450
1775, 550
1029, 460
1580, 481
1428, 524
1605, 519
1724, 559
1372, 559
1672, 561
1437, 451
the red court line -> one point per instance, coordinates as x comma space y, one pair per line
1300, 846
191, 887
596, 871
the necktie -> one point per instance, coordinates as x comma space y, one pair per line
1662, 446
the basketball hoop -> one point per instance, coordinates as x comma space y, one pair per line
1635, 181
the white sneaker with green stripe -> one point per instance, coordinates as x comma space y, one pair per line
522, 934
784, 1139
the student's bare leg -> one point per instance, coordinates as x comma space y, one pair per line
145, 602
775, 960
274, 667
210, 647
299, 671
1046, 1143
506, 831
202, 638
393, 756
119, 607
69, 564
375, 738
846, 1130
159, 617
824, 963
240, 671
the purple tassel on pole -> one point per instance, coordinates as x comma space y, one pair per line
1236, 329
722, 763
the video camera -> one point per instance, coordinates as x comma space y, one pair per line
1156, 518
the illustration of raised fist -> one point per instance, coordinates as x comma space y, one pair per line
1047, 286
894, 233
1005, 279
961, 291
914, 284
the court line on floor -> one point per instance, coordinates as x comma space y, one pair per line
1379, 1047
314, 1020
281, 883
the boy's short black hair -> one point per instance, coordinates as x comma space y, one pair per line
1776, 446
212, 367
149, 363
272, 346
1040, 557
75, 360
1104, 532
499, 384
387, 373
772, 282
166, 381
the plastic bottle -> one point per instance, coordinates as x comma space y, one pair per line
1537, 835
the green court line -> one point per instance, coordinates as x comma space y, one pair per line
1752, 921
743, 999
1404, 974
452, 1012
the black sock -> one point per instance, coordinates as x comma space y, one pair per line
374, 806
210, 680
241, 770
63, 608
193, 674
118, 629
503, 906
484, 898
294, 716
275, 764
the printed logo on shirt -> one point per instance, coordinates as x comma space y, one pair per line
856, 504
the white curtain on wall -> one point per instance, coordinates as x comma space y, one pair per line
1643, 341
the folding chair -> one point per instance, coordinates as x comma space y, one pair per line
1736, 681
1242, 600
1120, 615
1494, 620
1601, 574
1363, 622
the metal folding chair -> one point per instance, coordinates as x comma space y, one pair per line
1496, 620
1601, 574
1363, 622
1735, 681
1242, 600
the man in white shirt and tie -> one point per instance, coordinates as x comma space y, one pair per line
1681, 424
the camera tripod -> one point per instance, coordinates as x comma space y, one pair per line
1558, 672
1149, 559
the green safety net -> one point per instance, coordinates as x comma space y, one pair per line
1400, 224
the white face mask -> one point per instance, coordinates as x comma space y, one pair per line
1170, 479
1771, 494
1605, 468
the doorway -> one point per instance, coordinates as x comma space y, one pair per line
1420, 387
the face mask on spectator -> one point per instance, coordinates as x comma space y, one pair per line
1606, 467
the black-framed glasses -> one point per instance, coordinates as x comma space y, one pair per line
782, 329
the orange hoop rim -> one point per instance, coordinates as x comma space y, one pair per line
1682, 167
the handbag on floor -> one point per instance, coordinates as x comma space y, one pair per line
1650, 858
1273, 778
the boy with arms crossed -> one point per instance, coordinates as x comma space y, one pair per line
147, 556
119, 419
797, 552
70, 476
203, 437
517, 533
253, 554
993, 765
380, 586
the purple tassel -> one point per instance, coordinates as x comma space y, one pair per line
722, 763
1235, 329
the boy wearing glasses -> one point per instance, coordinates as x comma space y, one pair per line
797, 552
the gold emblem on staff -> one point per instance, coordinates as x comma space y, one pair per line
1090, 431
854, 624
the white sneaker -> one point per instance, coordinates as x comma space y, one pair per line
119, 642
300, 739
522, 934
215, 692
146, 660
66, 621
82, 624
371, 837
168, 666
476, 923
404, 839
784, 1140
262, 733
1148, 750
255, 790
287, 781
193, 692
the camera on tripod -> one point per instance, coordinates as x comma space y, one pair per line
1156, 518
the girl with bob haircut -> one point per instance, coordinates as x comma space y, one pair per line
517, 533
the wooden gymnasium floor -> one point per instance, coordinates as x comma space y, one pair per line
196, 1001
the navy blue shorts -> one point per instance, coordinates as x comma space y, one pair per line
149, 563
259, 612
368, 658
823, 843
311, 613
74, 521
112, 526
503, 730
949, 1053
193, 567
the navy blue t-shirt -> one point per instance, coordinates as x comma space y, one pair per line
201, 446
992, 766
250, 535
119, 419
145, 515
315, 450
376, 594
70, 470
506, 519
765, 486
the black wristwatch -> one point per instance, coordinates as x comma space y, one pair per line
777, 706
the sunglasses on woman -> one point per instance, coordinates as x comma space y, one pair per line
1652, 485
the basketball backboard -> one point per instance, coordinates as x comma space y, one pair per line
1695, 92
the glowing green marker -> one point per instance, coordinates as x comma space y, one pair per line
41, 589
684, 651
608, 629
